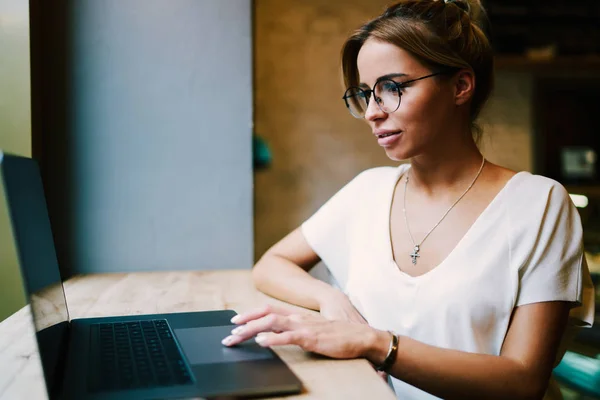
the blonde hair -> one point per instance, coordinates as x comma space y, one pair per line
443, 35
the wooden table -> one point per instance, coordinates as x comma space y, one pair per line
21, 375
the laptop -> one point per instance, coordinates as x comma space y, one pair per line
161, 356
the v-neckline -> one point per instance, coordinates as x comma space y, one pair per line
401, 171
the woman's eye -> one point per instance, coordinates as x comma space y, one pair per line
391, 88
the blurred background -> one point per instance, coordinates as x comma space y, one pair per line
540, 118
69, 63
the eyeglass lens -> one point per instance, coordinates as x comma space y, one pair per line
387, 96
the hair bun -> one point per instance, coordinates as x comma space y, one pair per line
462, 4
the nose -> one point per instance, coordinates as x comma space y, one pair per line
373, 111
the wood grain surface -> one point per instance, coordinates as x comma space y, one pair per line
21, 376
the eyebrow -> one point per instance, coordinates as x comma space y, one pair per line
382, 78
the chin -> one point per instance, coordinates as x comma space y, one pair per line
395, 154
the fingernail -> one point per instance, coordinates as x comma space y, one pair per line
260, 339
227, 341
237, 330
235, 319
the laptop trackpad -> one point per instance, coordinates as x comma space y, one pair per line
203, 346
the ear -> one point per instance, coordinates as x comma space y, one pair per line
464, 87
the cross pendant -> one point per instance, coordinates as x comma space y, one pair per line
415, 254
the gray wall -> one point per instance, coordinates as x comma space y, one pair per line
15, 134
156, 166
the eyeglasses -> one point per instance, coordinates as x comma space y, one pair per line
387, 96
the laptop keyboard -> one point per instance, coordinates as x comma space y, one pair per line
136, 354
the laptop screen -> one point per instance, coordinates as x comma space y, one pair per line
37, 258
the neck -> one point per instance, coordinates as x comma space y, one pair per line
446, 167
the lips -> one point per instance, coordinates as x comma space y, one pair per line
384, 134
387, 138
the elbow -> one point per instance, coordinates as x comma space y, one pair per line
532, 389
526, 381
539, 392
534, 394
259, 275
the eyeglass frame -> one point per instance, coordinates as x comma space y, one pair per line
370, 91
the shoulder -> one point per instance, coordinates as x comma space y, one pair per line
361, 190
530, 200
382, 173
376, 178
538, 190
523, 189
538, 205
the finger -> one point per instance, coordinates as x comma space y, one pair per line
268, 323
241, 319
268, 339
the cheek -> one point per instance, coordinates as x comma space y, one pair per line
430, 108
417, 110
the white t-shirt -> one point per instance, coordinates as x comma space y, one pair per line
525, 247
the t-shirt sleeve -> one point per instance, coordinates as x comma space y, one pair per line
555, 268
326, 231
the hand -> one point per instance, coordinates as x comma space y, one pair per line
337, 306
314, 333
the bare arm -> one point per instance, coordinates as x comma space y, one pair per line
522, 370
282, 272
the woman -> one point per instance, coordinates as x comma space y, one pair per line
468, 274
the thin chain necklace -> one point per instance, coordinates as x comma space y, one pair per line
417, 247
